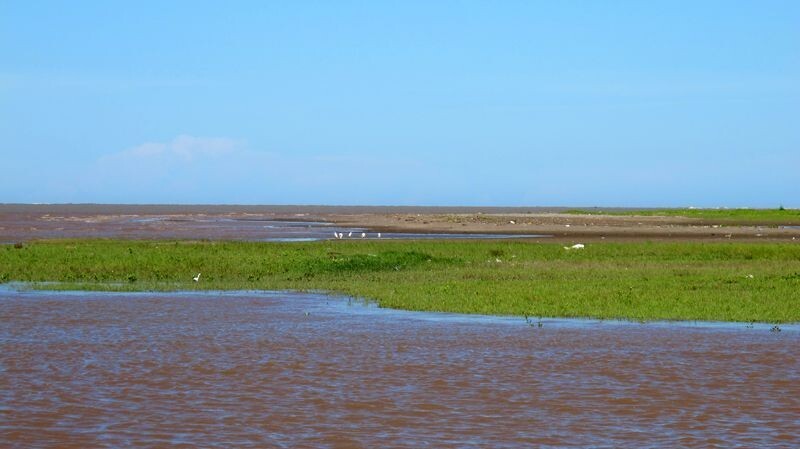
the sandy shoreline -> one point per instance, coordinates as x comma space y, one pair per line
20, 222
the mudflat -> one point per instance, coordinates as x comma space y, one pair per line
22, 222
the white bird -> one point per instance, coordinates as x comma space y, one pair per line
196, 278
335, 235
379, 235
363, 234
350, 234
575, 246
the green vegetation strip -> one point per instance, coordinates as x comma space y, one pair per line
635, 281
767, 216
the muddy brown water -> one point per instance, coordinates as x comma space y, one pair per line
306, 370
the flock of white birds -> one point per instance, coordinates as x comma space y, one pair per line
340, 235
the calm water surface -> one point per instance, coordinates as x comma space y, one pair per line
292, 370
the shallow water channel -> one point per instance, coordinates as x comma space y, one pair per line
250, 369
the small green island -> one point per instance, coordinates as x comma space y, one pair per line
639, 281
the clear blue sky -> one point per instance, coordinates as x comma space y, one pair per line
606, 103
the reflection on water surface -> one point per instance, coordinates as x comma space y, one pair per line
294, 370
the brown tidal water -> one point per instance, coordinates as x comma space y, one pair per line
249, 369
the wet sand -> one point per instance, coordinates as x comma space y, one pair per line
279, 370
28, 222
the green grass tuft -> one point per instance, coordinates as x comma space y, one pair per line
354, 263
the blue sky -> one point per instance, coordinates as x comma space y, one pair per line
573, 103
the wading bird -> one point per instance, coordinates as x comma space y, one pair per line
575, 246
350, 234
196, 278
363, 234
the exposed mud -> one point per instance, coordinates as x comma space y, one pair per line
27, 222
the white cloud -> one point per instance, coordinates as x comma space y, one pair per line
182, 148
172, 171
223, 170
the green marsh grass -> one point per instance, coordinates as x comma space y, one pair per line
779, 215
634, 281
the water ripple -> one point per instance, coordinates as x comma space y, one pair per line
306, 370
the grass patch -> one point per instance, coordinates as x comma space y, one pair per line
769, 216
361, 263
636, 281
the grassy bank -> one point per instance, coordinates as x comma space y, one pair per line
637, 281
767, 216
